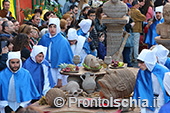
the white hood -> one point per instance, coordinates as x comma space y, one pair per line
85, 25
55, 21
162, 53
36, 50
143, 54
14, 55
72, 34
150, 60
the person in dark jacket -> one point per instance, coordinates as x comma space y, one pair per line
101, 46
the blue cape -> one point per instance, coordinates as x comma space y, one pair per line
151, 34
143, 87
159, 71
167, 63
37, 73
24, 85
86, 45
60, 49
165, 108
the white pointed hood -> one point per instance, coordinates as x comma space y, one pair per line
55, 21
85, 25
162, 53
14, 55
36, 50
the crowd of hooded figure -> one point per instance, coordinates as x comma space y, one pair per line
32, 52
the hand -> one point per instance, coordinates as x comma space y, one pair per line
8, 109
5, 50
89, 40
59, 83
132, 24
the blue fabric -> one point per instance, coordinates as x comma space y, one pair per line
143, 87
151, 34
24, 85
101, 50
129, 5
126, 56
37, 73
165, 108
159, 71
167, 63
86, 45
60, 49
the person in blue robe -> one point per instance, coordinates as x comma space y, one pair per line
149, 82
39, 69
150, 37
17, 87
86, 25
58, 51
166, 108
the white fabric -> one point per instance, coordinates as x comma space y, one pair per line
46, 86
150, 60
80, 43
83, 54
55, 21
161, 52
159, 9
142, 55
85, 25
56, 75
14, 55
166, 82
49, 53
155, 84
36, 50
85, 5
72, 34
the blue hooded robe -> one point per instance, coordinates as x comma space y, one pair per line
150, 37
60, 49
37, 73
24, 85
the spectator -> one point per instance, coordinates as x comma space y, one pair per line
5, 11
101, 47
68, 4
63, 25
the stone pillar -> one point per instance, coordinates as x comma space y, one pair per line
115, 20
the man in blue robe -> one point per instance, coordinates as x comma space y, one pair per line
58, 50
150, 37
166, 108
149, 82
39, 69
17, 87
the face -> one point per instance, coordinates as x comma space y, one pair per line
92, 16
16, 26
37, 14
50, 16
149, 22
142, 66
75, 10
10, 27
10, 47
1, 25
6, 5
39, 58
52, 29
68, 21
101, 38
36, 20
158, 15
72, 42
34, 34
14, 64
